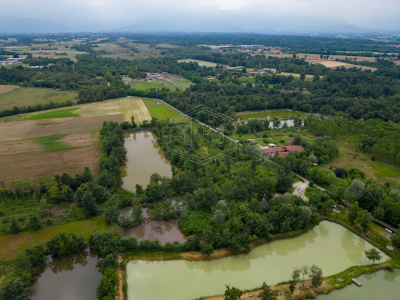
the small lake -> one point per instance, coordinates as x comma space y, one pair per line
382, 285
74, 277
144, 157
328, 245
163, 231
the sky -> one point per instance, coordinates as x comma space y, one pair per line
379, 14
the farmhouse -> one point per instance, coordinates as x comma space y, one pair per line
282, 151
239, 122
263, 71
152, 75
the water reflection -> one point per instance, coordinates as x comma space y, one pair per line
271, 263
164, 231
382, 285
144, 157
74, 277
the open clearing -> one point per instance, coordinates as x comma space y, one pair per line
296, 75
12, 244
19, 130
316, 57
201, 63
7, 88
262, 114
31, 96
336, 64
169, 82
161, 111
129, 52
350, 157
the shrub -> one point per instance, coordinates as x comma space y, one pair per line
63, 244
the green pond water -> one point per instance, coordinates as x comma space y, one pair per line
382, 285
73, 277
328, 245
144, 157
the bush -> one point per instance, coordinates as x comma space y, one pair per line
107, 286
63, 244
14, 289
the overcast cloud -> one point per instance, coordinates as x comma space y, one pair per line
383, 14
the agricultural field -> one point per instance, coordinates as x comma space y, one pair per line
7, 88
201, 63
336, 64
296, 75
113, 50
272, 114
31, 96
316, 57
65, 139
160, 111
40, 50
170, 82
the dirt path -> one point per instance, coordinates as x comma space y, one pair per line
300, 189
120, 273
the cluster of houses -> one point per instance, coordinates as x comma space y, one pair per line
262, 71
151, 76
284, 151
41, 67
10, 61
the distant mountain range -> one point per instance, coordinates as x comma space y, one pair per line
228, 23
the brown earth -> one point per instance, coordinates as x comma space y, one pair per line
80, 139
335, 64
32, 165
18, 130
7, 88
19, 147
295, 75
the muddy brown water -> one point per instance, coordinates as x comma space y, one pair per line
164, 231
74, 277
144, 158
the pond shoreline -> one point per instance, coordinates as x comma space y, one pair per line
330, 283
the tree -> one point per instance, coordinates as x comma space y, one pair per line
304, 271
89, 205
34, 222
86, 175
353, 212
267, 293
14, 227
107, 286
396, 239
373, 254
316, 276
232, 293
312, 158
67, 194
111, 214
15, 289
364, 220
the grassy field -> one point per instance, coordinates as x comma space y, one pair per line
160, 111
201, 63
171, 84
52, 143
53, 114
12, 244
281, 114
7, 88
351, 156
113, 50
31, 96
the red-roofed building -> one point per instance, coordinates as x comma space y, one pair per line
283, 151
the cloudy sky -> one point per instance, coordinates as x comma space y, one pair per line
380, 14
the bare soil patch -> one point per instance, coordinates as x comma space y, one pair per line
295, 75
335, 64
7, 88
397, 62
32, 165
19, 147
82, 139
18, 130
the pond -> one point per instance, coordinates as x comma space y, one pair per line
382, 285
163, 231
328, 245
144, 157
73, 277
